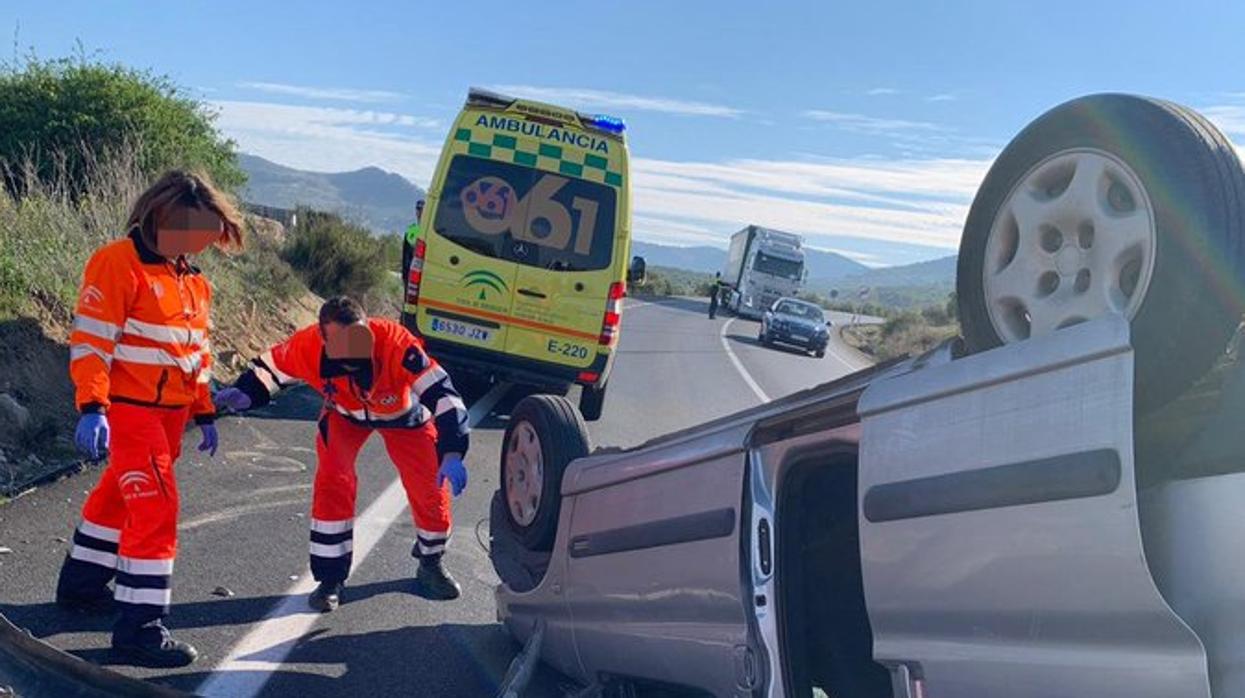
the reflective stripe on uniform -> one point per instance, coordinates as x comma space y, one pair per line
154, 356
430, 378
132, 565
430, 542
372, 415
320, 526
96, 328
333, 550
450, 403
79, 351
282, 377
112, 535
150, 597
172, 334
97, 557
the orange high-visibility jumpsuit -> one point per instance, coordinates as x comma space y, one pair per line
139, 353
411, 402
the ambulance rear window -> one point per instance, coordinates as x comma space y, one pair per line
524, 215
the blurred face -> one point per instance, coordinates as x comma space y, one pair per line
346, 342
186, 231
419, 211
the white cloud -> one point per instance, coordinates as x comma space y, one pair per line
941, 97
327, 139
912, 202
877, 211
860, 123
881, 91
344, 94
588, 98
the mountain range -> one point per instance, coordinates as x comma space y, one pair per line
381, 201
385, 203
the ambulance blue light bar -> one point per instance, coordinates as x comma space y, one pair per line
610, 124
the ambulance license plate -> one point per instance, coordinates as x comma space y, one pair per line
461, 329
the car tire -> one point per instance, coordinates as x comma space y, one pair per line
820, 353
592, 402
544, 435
1111, 204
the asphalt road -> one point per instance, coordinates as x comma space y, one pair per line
244, 529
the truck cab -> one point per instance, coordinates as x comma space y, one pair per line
763, 265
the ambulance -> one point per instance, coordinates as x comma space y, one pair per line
520, 267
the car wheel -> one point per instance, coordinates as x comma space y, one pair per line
592, 402
820, 353
544, 435
1111, 204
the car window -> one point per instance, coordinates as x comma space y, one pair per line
527, 216
777, 266
802, 310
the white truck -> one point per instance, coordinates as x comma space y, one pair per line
762, 265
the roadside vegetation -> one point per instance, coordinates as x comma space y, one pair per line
907, 333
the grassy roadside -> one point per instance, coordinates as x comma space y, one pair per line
908, 334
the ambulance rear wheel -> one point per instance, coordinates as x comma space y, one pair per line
592, 402
545, 434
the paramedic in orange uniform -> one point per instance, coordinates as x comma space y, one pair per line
140, 361
374, 376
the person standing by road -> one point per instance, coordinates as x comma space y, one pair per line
713, 294
408, 251
141, 366
374, 376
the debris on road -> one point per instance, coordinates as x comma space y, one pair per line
4, 550
225, 592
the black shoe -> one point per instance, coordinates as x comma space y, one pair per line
326, 598
97, 604
153, 647
434, 583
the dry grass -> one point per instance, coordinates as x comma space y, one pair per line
909, 334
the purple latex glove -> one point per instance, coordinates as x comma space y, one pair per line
234, 399
211, 439
452, 469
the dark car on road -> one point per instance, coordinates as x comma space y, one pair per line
796, 322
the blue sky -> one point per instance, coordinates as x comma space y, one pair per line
865, 126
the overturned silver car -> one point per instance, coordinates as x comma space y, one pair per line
1046, 507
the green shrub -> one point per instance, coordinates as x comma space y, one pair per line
334, 257
58, 116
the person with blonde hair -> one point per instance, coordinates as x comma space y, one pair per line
141, 366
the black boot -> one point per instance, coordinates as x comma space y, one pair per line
326, 598
151, 646
433, 582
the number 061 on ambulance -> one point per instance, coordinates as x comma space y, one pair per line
520, 267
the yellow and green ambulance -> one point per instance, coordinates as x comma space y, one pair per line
519, 268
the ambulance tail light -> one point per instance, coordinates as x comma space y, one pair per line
588, 377
613, 314
416, 274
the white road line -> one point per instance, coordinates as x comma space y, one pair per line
261, 651
743, 372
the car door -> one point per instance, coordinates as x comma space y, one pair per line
1001, 548
655, 572
565, 260
468, 285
